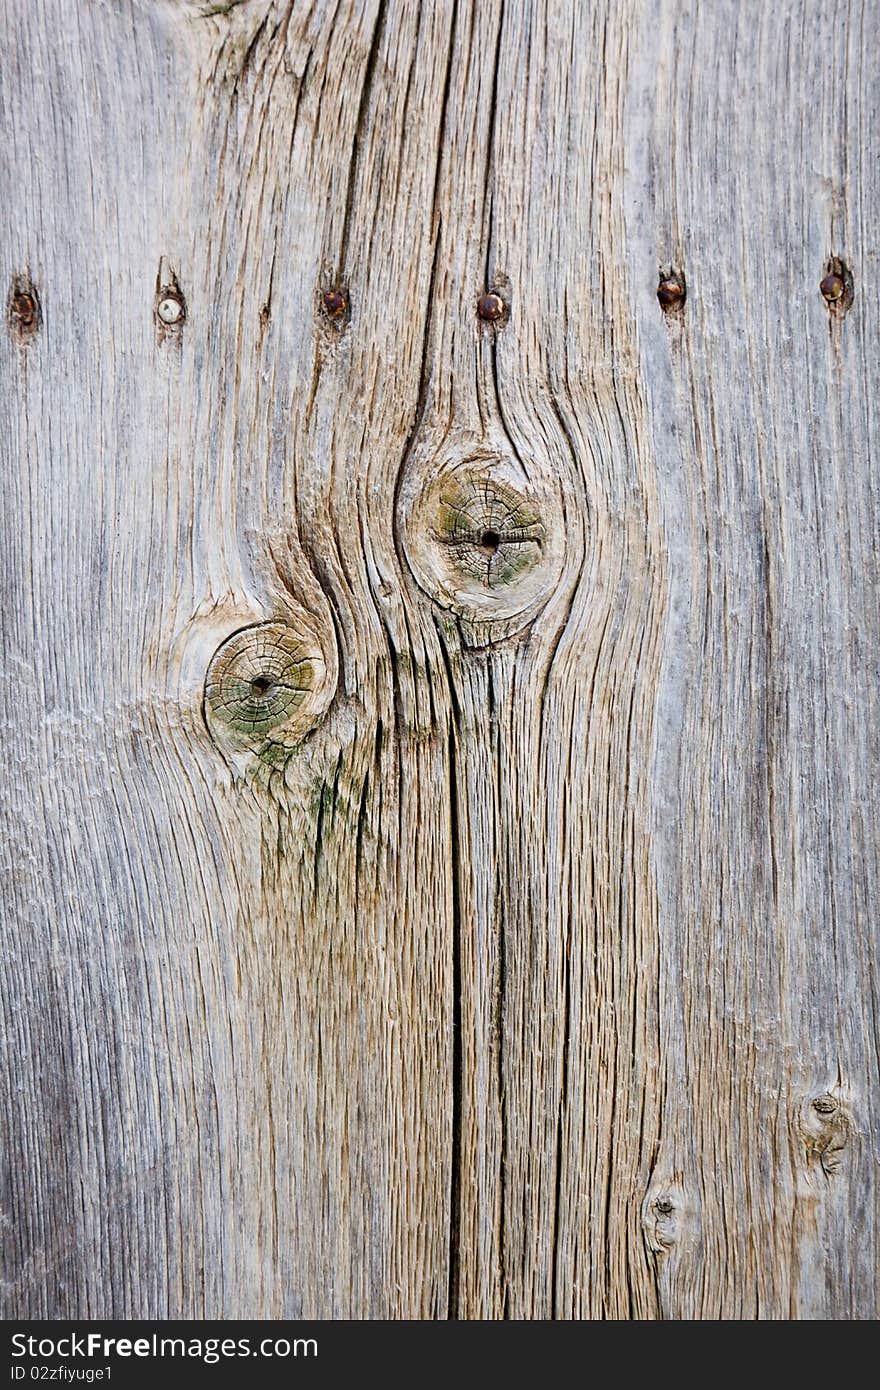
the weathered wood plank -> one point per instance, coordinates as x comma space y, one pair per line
495, 936
757, 167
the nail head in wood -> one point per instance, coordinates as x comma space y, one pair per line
170, 310
832, 287
836, 287
170, 302
671, 292
490, 307
335, 304
25, 315
24, 309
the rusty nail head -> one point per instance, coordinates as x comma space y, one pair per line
670, 293
24, 308
335, 303
490, 306
832, 287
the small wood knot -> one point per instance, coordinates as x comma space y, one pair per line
672, 291
266, 687
24, 312
491, 307
825, 1105
668, 1217
825, 1129
836, 287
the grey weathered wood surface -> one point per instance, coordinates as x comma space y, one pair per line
541, 978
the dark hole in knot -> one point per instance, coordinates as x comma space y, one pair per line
261, 685
490, 540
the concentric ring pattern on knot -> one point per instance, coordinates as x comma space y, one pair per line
492, 535
486, 543
263, 687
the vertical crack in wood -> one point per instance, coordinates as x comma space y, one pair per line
563, 1099
488, 277
456, 1155
454, 1240
359, 129
500, 942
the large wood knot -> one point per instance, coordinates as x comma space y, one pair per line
485, 544
267, 686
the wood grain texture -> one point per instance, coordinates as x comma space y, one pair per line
494, 935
